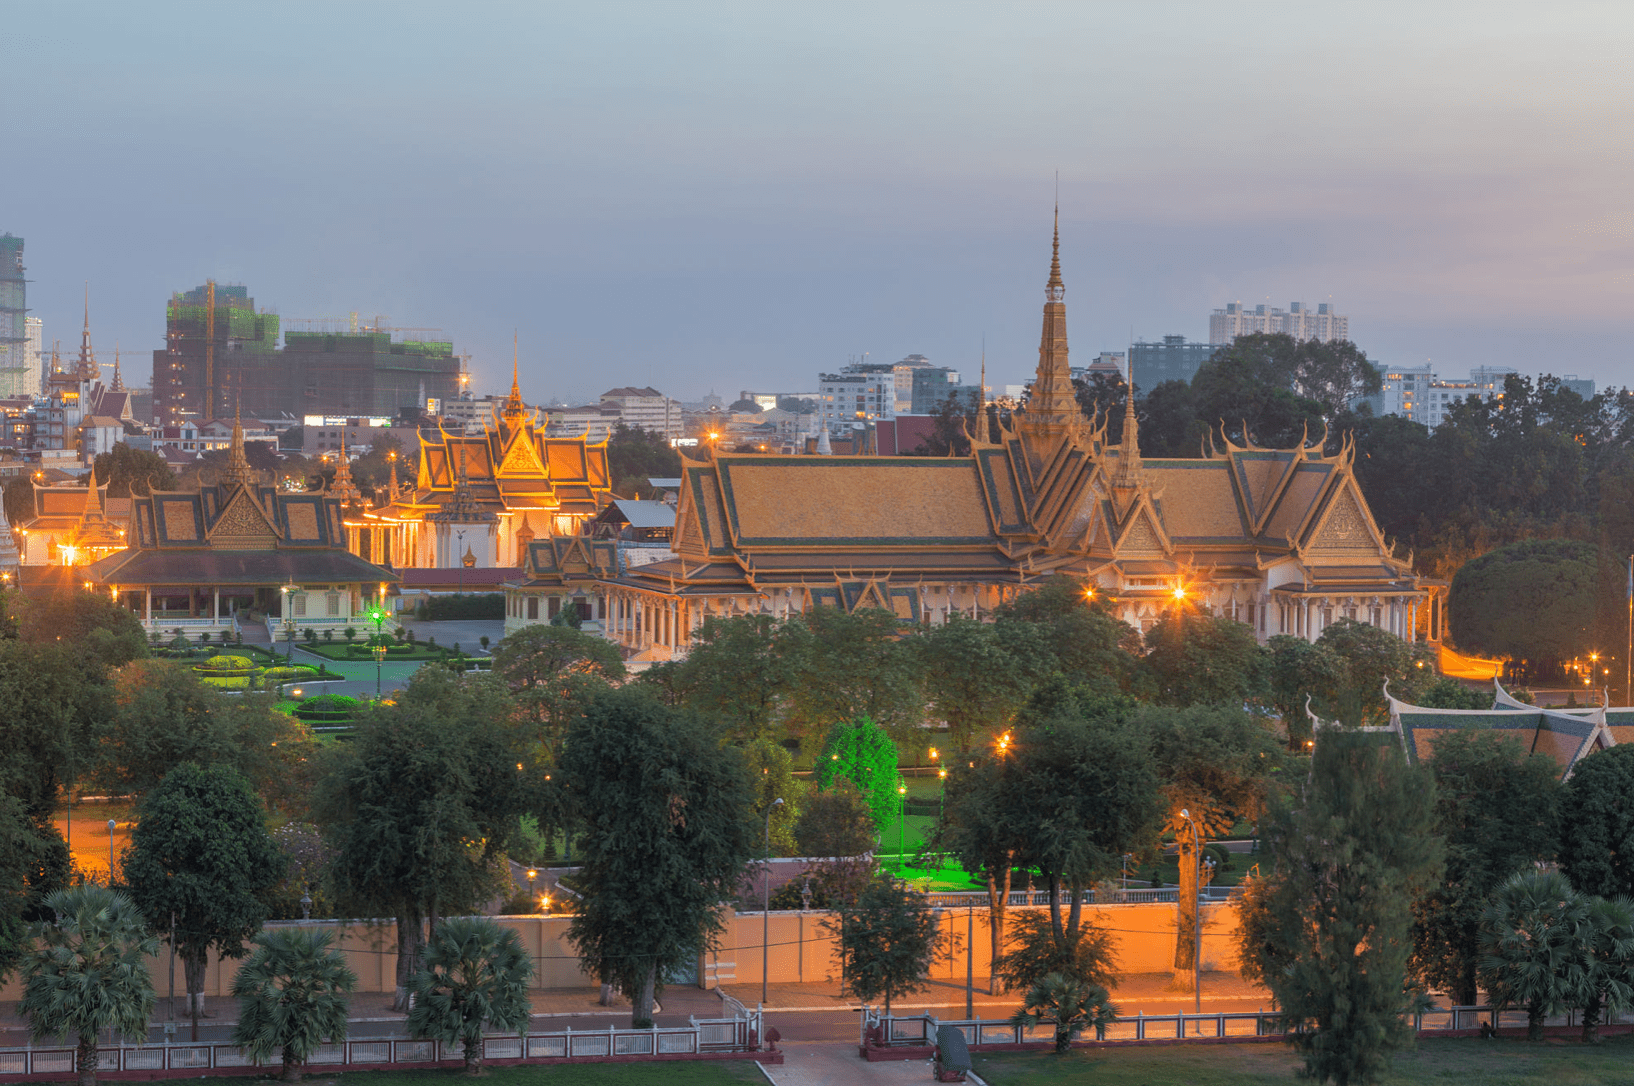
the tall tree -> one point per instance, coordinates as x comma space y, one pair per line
1329, 930
888, 939
1069, 619
1531, 936
1296, 669
665, 837
733, 674
635, 455
1608, 976
1218, 765
981, 826
33, 864
1597, 820
1079, 796
86, 972
859, 751
1366, 657
201, 855
1497, 806
771, 772
162, 716
1195, 658
127, 471
292, 997
425, 802
475, 977
847, 665
974, 677
1535, 599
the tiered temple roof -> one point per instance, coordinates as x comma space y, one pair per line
1565, 735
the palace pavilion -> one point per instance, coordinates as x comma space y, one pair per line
201, 561
478, 500
1280, 539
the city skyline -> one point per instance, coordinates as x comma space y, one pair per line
715, 197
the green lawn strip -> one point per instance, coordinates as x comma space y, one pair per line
667, 1072
1489, 1062
339, 650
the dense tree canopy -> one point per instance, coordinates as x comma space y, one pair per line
635, 455
424, 801
1534, 599
1597, 823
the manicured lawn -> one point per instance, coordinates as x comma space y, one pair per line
667, 1073
1488, 1062
338, 650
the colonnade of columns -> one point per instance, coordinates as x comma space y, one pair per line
1307, 616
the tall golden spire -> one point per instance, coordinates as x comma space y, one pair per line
1053, 404
342, 486
87, 356
118, 380
238, 465
514, 409
93, 500
1128, 474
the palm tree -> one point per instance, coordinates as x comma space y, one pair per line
1607, 942
1068, 1004
1532, 946
86, 972
474, 974
291, 997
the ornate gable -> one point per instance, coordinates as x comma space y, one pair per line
243, 525
1344, 530
1142, 537
521, 459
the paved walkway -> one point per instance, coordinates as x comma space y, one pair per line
809, 1063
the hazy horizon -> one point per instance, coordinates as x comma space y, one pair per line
725, 196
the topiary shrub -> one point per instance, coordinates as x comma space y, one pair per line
350, 633
223, 666
329, 635
310, 634
328, 709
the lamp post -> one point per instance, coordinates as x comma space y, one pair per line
970, 960
306, 904
901, 816
1196, 914
460, 558
111, 825
533, 873
284, 592
379, 658
766, 907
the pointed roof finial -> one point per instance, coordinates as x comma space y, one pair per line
238, 471
1055, 290
87, 357
514, 408
824, 448
93, 499
118, 380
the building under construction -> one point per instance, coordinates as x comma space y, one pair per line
222, 353
19, 366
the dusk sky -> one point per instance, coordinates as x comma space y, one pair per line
737, 196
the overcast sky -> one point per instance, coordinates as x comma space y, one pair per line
737, 196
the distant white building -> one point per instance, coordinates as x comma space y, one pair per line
1236, 319
647, 409
860, 393
1417, 393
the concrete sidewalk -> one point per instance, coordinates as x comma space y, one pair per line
1138, 993
812, 1063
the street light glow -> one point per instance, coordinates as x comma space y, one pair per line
1179, 592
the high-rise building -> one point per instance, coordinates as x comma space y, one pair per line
14, 352
213, 337
1150, 364
35, 352
222, 355
1225, 325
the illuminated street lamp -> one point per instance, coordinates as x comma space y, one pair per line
766, 907
379, 658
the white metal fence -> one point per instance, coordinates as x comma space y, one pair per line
889, 1031
711, 1035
